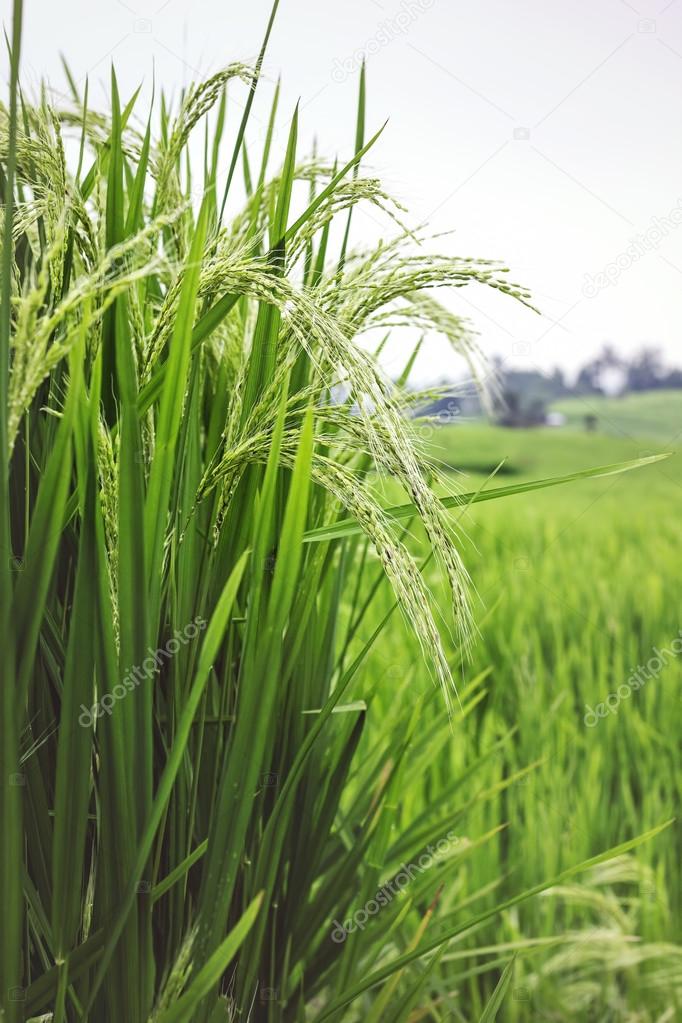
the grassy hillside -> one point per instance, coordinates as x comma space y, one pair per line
655, 415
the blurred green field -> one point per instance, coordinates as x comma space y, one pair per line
576, 587
654, 414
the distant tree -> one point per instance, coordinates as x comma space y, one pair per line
587, 381
646, 372
673, 379
559, 381
603, 374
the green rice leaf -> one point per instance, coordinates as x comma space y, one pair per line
171, 403
347, 527
209, 975
495, 1003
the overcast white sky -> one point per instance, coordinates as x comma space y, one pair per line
546, 133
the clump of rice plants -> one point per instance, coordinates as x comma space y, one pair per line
190, 435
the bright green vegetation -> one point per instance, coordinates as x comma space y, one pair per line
204, 774
581, 584
654, 415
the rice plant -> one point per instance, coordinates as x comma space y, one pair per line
194, 432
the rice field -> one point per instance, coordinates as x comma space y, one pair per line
651, 416
294, 685
578, 590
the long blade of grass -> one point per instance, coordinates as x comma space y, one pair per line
359, 142
495, 1003
348, 527
45, 530
72, 791
247, 110
170, 413
209, 975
